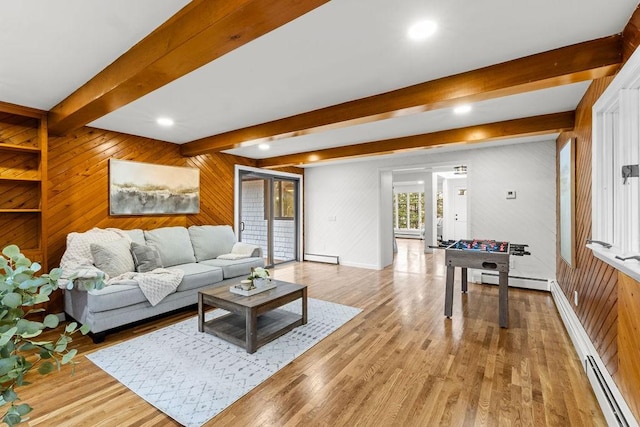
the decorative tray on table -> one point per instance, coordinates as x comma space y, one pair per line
236, 289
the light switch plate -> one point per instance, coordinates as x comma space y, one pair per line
511, 194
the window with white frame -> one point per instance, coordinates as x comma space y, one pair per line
408, 211
615, 160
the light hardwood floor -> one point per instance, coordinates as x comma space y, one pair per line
399, 363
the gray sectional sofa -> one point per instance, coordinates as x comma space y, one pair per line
195, 251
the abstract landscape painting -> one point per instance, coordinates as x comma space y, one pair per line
146, 189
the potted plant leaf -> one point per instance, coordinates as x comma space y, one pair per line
21, 350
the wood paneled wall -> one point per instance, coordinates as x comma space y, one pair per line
603, 308
629, 340
594, 280
79, 178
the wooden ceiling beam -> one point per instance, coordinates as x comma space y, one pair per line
199, 33
6, 107
530, 126
570, 64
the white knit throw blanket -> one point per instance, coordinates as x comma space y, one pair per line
77, 264
77, 261
156, 284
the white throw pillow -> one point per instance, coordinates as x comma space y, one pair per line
78, 250
114, 258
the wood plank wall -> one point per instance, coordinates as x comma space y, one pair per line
78, 185
629, 340
595, 281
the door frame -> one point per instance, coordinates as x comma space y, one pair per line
273, 174
385, 199
454, 184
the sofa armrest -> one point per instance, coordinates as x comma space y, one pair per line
83, 279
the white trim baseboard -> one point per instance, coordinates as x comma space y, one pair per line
614, 407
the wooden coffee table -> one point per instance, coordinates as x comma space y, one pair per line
254, 320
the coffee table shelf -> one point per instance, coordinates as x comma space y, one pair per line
271, 325
252, 320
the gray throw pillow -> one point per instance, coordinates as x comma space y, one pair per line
114, 257
146, 257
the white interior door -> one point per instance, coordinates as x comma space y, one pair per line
460, 211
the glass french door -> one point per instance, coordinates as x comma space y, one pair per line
268, 215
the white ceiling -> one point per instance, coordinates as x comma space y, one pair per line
343, 50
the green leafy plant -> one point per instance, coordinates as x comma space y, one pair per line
258, 273
20, 350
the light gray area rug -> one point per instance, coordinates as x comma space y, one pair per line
193, 376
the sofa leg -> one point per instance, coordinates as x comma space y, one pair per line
98, 338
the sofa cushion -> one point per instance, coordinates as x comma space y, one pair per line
172, 243
198, 275
136, 235
114, 257
235, 268
210, 241
146, 258
126, 292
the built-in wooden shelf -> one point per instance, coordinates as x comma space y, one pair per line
18, 178
20, 148
19, 210
23, 159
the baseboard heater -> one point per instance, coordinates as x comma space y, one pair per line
603, 392
517, 281
327, 259
615, 409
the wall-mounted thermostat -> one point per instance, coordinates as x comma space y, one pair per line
511, 194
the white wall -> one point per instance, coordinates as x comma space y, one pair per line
385, 249
349, 193
341, 213
530, 171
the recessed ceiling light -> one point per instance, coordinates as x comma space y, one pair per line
422, 30
164, 121
263, 146
462, 109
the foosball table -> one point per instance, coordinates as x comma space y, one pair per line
480, 254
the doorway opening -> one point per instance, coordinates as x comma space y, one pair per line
451, 201
433, 185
